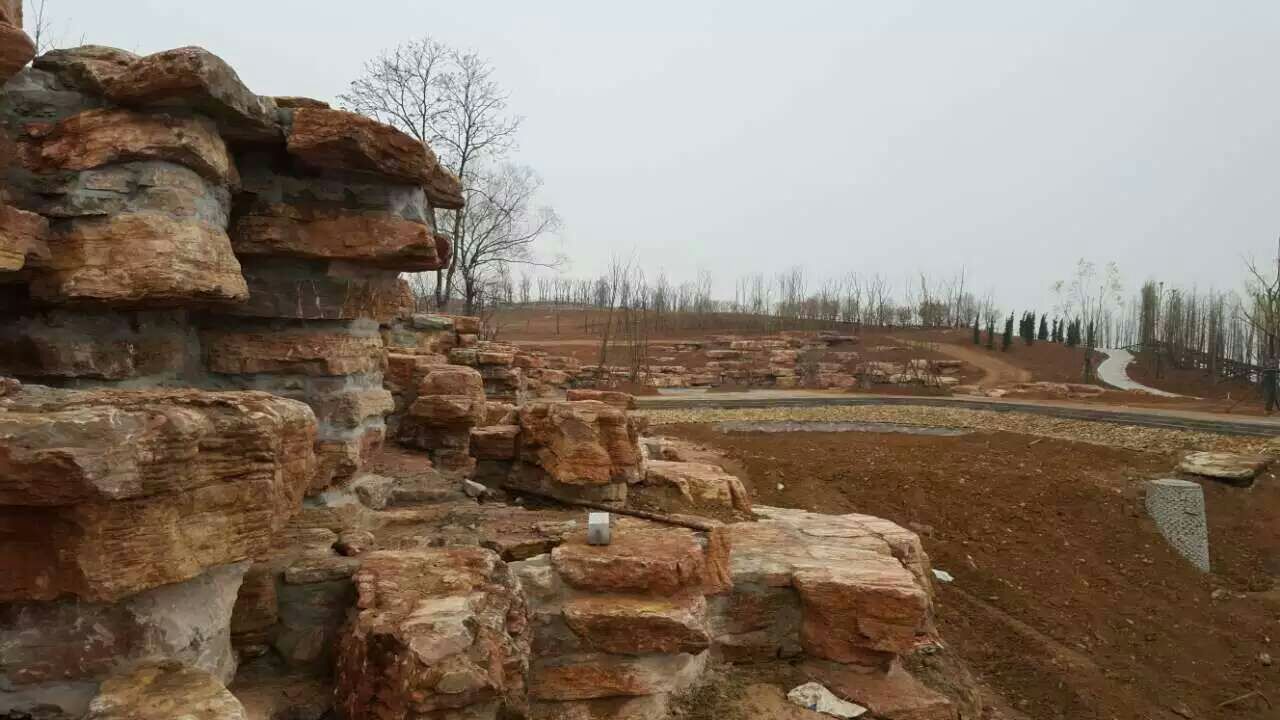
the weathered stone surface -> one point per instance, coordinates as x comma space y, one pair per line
87, 67
342, 140
580, 443
698, 483
449, 403
94, 138
107, 493
139, 258
316, 290
873, 604
1224, 465
194, 78
332, 234
638, 625
16, 50
848, 588
436, 631
311, 619
494, 442
103, 345
164, 692
23, 239
302, 351
449, 395
590, 676
642, 559
151, 186
348, 409
55, 654
269, 180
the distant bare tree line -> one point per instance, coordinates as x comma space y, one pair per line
784, 300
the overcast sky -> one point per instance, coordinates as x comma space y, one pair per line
1010, 138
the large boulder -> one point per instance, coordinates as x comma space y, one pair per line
1235, 467
643, 559
438, 633
331, 234
690, 486
577, 450
341, 140
193, 78
139, 259
95, 138
107, 493
450, 402
87, 67
852, 589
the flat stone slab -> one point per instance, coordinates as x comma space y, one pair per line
1225, 466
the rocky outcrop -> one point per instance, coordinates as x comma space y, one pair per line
851, 593
437, 633
450, 402
690, 487
577, 450
617, 624
107, 493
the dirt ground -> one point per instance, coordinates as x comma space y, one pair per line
1066, 601
1192, 382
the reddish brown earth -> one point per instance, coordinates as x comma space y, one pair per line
1192, 382
1066, 602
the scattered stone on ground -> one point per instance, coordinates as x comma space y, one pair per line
1225, 465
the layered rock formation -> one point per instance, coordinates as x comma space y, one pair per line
618, 629
127, 520
204, 236
201, 303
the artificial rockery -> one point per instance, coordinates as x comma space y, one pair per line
240, 476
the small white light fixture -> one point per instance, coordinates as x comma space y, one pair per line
598, 531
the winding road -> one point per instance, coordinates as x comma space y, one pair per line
1113, 372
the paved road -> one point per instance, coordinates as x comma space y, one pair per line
1121, 414
1113, 372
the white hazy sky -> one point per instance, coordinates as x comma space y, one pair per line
1007, 137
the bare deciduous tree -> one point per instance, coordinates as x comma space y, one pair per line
449, 100
501, 225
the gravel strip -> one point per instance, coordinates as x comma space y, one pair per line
1143, 439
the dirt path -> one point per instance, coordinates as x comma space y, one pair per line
995, 371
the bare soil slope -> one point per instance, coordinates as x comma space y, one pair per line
1066, 599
